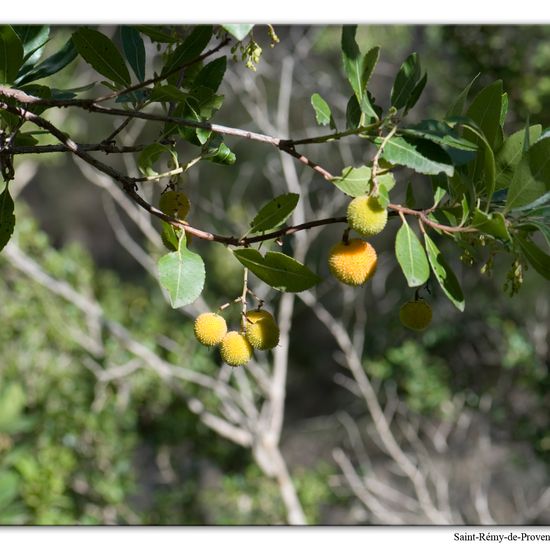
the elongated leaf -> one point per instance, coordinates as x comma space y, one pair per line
274, 213
411, 256
444, 274
483, 170
239, 31
531, 178
168, 93
356, 181
420, 155
190, 49
11, 54
441, 133
485, 111
539, 160
323, 114
7, 217
540, 202
536, 257
182, 274
134, 50
416, 93
156, 34
353, 113
358, 68
51, 65
510, 154
457, 107
33, 38
211, 75
278, 270
405, 81
100, 52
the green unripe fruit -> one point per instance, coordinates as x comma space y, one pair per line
366, 216
175, 204
353, 263
261, 330
210, 328
235, 349
415, 315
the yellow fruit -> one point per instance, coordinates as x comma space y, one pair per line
175, 204
235, 349
366, 216
415, 315
210, 328
353, 263
261, 330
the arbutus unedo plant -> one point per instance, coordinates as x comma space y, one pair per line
489, 190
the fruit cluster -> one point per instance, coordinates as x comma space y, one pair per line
354, 261
261, 333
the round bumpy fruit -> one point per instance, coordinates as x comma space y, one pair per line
353, 263
366, 216
235, 349
210, 328
261, 330
415, 315
175, 203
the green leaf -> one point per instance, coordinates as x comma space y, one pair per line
182, 274
215, 150
134, 50
11, 54
33, 38
416, 93
323, 114
441, 133
411, 256
211, 75
457, 107
274, 213
504, 108
356, 181
190, 49
239, 31
50, 65
485, 111
168, 93
444, 274
358, 68
535, 256
510, 154
531, 178
278, 270
170, 236
420, 155
493, 224
7, 217
150, 155
405, 81
100, 52
483, 169
541, 202
155, 33
353, 113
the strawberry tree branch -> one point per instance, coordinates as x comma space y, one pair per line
129, 184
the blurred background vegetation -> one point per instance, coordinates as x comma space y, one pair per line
79, 448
